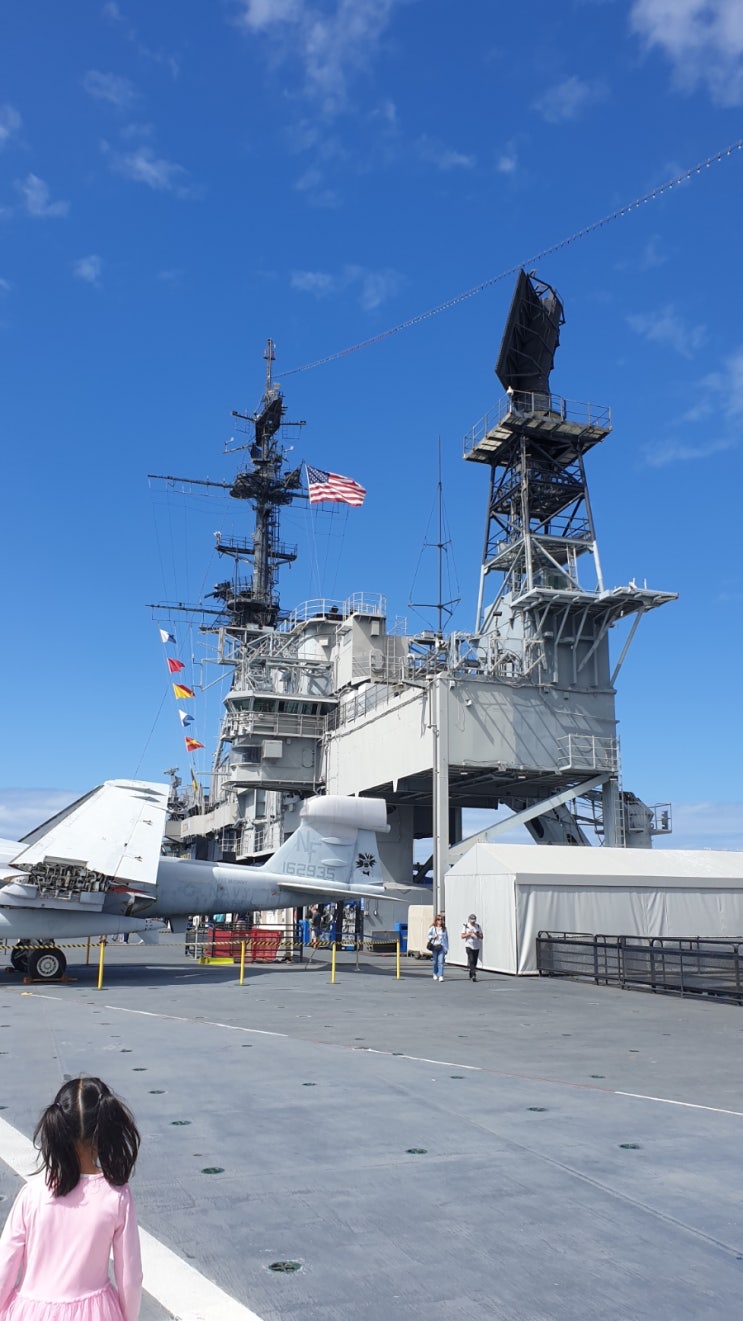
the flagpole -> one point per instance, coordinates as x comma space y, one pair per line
440, 730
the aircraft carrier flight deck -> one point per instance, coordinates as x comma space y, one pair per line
518, 1149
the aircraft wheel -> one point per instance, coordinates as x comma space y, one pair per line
46, 965
19, 957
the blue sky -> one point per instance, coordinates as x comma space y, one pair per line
180, 181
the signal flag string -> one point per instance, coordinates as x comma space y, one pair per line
528, 261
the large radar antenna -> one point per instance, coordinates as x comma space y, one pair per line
531, 337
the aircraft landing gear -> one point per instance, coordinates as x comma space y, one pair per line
46, 965
19, 957
43, 964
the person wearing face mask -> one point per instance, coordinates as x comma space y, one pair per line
472, 937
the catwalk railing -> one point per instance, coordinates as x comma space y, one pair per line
692, 966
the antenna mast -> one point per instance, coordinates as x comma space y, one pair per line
444, 609
250, 603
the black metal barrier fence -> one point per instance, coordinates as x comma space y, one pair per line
694, 966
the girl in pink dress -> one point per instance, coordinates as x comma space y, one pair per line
58, 1238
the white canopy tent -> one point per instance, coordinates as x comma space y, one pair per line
517, 890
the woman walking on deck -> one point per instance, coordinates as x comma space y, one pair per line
438, 943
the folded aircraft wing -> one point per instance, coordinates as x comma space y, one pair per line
115, 830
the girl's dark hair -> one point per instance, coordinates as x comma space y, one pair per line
86, 1110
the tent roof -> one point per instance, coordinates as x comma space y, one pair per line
539, 864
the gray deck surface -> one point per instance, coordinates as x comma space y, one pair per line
525, 1206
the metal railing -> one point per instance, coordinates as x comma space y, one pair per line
238, 724
589, 751
695, 965
592, 417
327, 608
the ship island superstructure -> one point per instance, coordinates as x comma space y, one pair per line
519, 712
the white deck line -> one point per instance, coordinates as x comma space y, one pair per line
207, 1022
178, 1287
418, 1059
688, 1105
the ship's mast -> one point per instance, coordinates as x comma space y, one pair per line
268, 486
444, 609
253, 603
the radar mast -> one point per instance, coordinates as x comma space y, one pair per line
250, 603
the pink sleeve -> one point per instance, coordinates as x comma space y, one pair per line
128, 1259
12, 1249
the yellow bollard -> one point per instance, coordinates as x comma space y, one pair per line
397, 959
332, 965
87, 951
242, 962
101, 958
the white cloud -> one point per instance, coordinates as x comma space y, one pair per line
444, 158
373, 288
667, 327
112, 12
701, 39
88, 269
673, 451
110, 87
719, 394
312, 184
260, 14
5, 286
732, 385
136, 130
35, 194
653, 254
319, 283
567, 100
377, 287
143, 166
331, 43
386, 112
507, 162
10, 122
705, 826
21, 810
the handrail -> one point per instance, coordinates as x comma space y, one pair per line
328, 608
526, 404
692, 965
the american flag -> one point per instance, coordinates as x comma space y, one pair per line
331, 486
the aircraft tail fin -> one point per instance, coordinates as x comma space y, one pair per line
335, 847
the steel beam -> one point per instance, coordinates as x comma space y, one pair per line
518, 818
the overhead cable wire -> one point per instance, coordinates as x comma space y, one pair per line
651, 196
